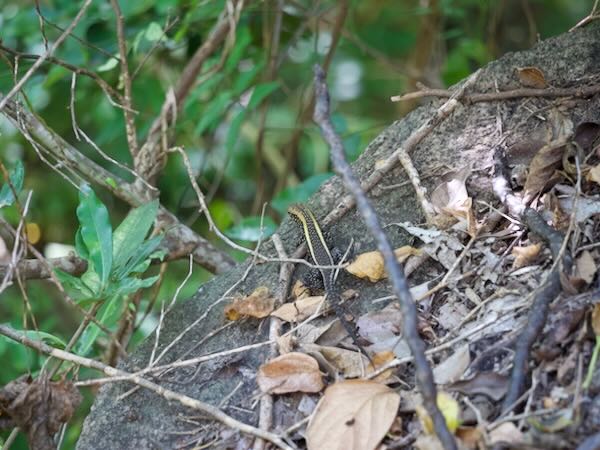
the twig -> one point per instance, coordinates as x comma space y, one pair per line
168, 394
17, 87
424, 373
409, 145
130, 129
551, 288
580, 92
265, 417
147, 162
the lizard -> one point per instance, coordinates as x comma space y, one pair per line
321, 256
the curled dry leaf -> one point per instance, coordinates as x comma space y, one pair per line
300, 309
524, 256
292, 372
542, 167
370, 265
39, 407
299, 290
259, 304
532, 77
352, 415
452, 202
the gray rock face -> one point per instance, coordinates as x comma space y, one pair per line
143, 420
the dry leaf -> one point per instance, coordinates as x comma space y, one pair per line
379, 360
39, 407
299, 290
542, 167
596, 319
505, 432
292, 372
586, 133
370, 265
594, 174
585, 268
452, 202
300, 309
449, 409
352, 415
490, 384
259, 304
469, 436
453, 367
349, 363
524, 256
532, 77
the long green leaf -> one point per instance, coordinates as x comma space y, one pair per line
130, 234
15, 176
96, 232
143, 252
108, 315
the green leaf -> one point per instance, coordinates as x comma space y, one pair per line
154, 32
260, 92
129, 285
242, 40
144, 250
15, 176
74, 283
96, 232
213, 113
108, 315
80, 247
300, 193
233, 132
110, 64
130, 234
48, 338
249, 229
243, 80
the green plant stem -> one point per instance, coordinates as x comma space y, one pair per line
590, 374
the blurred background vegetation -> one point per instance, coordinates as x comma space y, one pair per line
246, 123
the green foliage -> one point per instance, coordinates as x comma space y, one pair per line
249, 229
115, 259
15, 177
300, 193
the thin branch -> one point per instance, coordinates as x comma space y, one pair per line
424, 373
128, 99
167, 394
147, 162
578, 92
17, 87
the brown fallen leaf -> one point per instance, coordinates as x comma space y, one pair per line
506, 433
259, 304
452, 203
594, 174
531, 77
453, 367
524, 256
543, 166
370, 265
349, 363
379, 360
300, 309
352, 415
39, 407
585, 270
490, 384
292, 372
299, 290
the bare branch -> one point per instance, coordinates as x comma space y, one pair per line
48, 53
